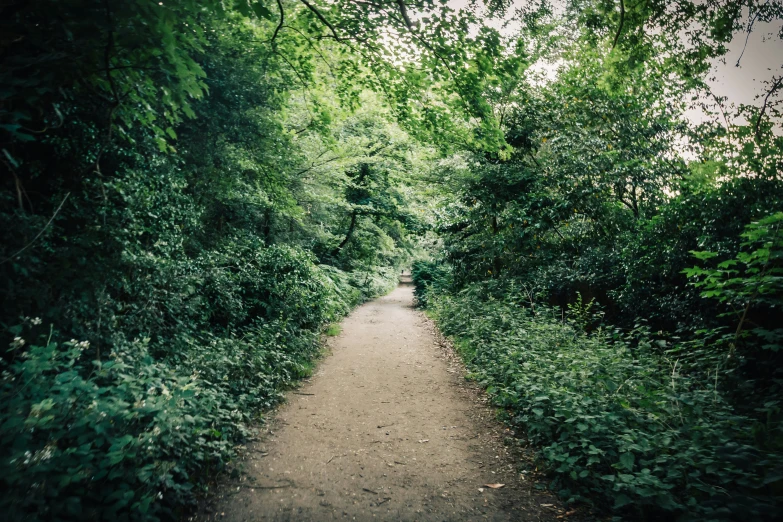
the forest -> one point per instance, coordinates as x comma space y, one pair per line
193, 192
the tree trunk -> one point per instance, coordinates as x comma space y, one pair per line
348, 235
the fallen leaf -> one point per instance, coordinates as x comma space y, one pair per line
494, 486
547, 505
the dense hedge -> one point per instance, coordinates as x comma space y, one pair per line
617, 423
131, 436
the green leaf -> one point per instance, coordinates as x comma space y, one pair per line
703, 255
627, 461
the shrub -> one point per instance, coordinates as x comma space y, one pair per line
91, 440
130, 436
616, 422
427, 276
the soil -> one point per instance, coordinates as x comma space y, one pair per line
387, 428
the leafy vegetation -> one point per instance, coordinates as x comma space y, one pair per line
564, 266
194, 191
619, 424
192, 247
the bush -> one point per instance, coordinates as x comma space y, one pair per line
84, 438
355, 287
616, 422
428, 276
125, 433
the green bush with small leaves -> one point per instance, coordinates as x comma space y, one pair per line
428, 276
617, 423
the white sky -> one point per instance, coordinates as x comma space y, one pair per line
762, 58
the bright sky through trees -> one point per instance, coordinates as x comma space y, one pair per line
759, 53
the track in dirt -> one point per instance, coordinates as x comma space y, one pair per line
386, 429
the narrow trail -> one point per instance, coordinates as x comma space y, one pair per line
386, 429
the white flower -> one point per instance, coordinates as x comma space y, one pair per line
36, 321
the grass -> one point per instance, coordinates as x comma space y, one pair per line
333, 330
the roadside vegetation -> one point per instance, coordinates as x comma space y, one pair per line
180, 224
194, 192
614, 280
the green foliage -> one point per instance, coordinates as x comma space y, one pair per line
195, 189
333, 330
751, 284
582, 314
617, 424
428, 276
198, 279
588, 220
91, 438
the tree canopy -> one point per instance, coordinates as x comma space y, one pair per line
194, 190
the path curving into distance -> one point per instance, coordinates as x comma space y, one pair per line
386, 429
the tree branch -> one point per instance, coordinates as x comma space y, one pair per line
748, 31
404, 13
316, 165
28, 245
407, 21
313, 47
620, 25
776, 84
280, 24
322, 19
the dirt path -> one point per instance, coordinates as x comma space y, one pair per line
387, 429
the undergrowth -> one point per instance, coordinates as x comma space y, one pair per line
117, 433
616, 423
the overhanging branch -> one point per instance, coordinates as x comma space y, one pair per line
323, 20
280, 24
620, 25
